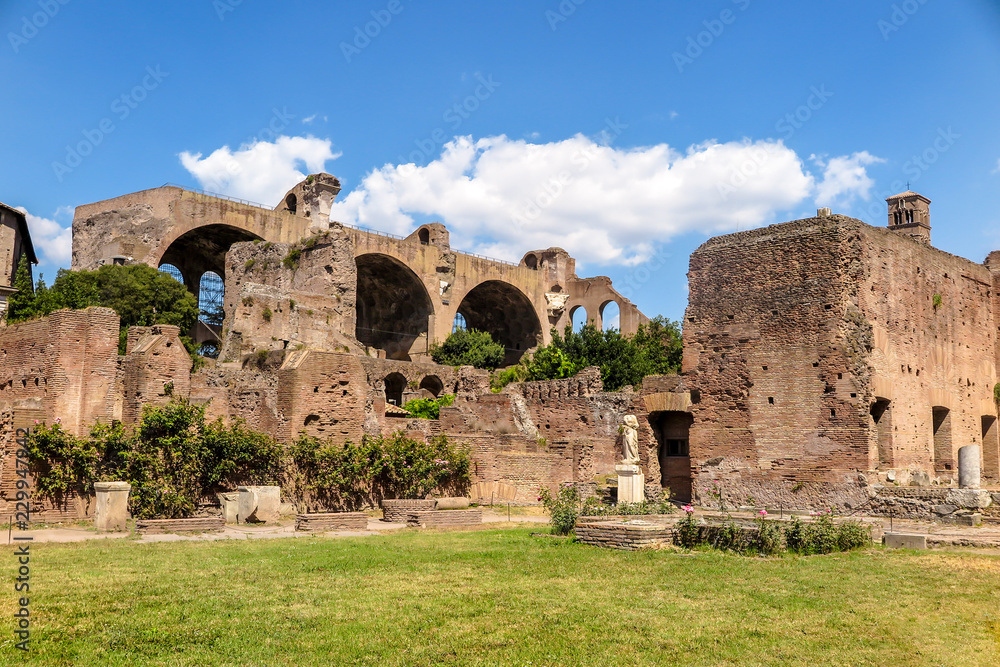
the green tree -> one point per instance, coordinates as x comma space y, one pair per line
655, 349
21, 304
140, 294
468, 347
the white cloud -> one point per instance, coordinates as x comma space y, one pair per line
309, 119
262, 171
997, 170
845, 178
503, 197
53, 243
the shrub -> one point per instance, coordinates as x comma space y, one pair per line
267, 314
172, 458
730, 537
768, 541
428, 408
355, 475
795, 536
688, 530
853, 535
563, 508
291, 260
62, 462
468, 347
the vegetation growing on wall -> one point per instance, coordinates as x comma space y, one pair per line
654, 349
140, 294
428, 408
358, 475
172, 458
468, 347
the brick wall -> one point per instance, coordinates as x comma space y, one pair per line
793, 331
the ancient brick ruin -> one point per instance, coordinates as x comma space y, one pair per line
823, 358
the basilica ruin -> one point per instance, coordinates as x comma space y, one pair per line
825, 361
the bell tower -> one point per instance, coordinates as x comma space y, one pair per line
910, 213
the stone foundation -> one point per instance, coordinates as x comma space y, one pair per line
331, 521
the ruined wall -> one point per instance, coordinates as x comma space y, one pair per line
934, 337
155, 368
281, 296
232, 393
65, 365
143, 225
827, 354
775, 348
323, 394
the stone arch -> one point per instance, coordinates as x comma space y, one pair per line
424, 236
433, 385
577, 319
506, 313
292, 203
611, 313
395, 385
393, 307
531, 261
203, 249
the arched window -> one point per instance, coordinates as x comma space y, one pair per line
210, 298
291, 203
611, 315
173, 272
579, 318
459, 323
424, 235
395, 384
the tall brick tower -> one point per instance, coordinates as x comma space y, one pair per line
910, 213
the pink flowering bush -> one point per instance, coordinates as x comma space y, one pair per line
563, 508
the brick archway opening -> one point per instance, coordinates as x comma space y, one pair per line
393, 308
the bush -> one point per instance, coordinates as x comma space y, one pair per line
655, 349
688, 530
356, 475
769, 540
823, 536
62, 463
172, 458
428, 408
563, 508
468, 347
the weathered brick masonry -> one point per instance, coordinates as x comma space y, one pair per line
828, 354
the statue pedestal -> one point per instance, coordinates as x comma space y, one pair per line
631, 483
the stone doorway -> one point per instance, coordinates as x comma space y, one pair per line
672, 431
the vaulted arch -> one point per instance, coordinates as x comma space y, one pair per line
506, 313
393, 307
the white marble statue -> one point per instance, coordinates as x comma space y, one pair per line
630, 440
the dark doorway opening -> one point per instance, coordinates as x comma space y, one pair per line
672, 432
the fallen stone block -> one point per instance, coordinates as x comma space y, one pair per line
901, 541
452, 503
259, 504
321, 521
197, 525
970, 498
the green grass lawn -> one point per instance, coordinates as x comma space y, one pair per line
497, 597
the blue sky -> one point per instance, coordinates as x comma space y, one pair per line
626, 133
